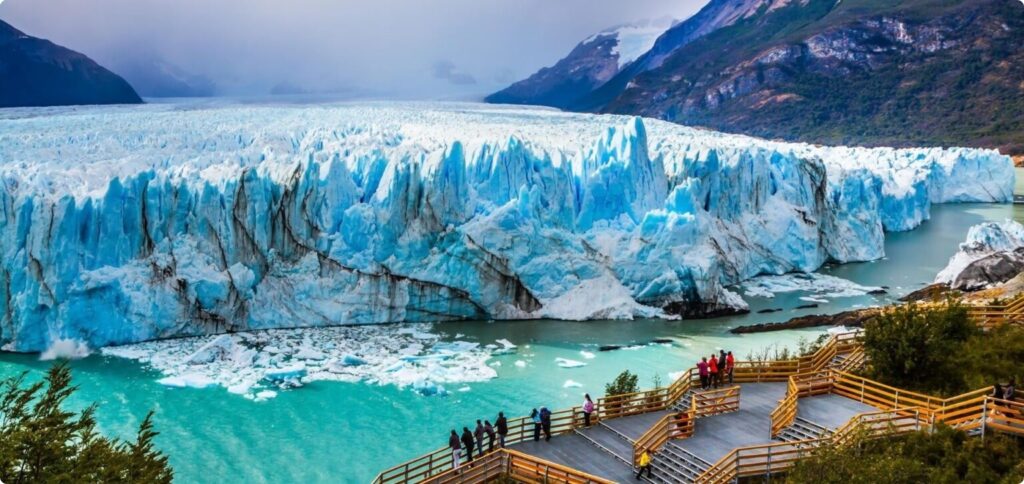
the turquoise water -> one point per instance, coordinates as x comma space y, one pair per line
345, 432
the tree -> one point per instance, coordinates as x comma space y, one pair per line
919, 348
42, 442
626, 382
945, 456
994, 356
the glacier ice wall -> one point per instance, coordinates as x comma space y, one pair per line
122, 224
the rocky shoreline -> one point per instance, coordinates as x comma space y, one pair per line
852, 318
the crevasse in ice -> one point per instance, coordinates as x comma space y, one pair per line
124, 224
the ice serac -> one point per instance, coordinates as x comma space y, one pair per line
125, 225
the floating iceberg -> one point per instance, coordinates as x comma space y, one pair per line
252, 362
120, 225
567, 363
822, 285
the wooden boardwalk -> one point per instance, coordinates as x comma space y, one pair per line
779, 413
606, 450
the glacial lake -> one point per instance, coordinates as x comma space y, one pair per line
347, 432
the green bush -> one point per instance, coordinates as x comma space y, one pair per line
626, 382
945, 456
41, 442
920, 348
940, 351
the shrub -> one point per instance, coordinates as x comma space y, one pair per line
920, 348
626, 382
945, 456
42, 442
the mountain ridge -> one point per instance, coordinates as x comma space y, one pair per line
867, 72
38, 72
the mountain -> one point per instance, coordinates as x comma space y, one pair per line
592, 74
37, 72
588, 66
867, 72
870, 72
152, 76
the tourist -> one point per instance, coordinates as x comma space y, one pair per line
1008, 392
478, 434
489, 430
467, 442
730, 365
644, 464
588, 408
713, 369
453, 443
997, 391
545, 422
502, 424
535, 416
721, 367
702, 369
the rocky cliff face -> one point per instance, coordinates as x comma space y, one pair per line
37, 72
921, 72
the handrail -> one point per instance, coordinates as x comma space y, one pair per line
714, 402
678, 425
508, 462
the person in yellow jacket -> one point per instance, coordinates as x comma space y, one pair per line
644, 464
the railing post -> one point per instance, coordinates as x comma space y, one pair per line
862, 390
984, 417
768, 466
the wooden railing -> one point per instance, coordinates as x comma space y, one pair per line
677, 425
785, 413
616, 406
1002, 415
991, 315
440, 460
714, 402
767, 459
517, 466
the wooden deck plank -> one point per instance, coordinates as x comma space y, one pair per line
575, 451
716, 436
830, 411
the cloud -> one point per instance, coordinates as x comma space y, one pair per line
445, 69
384, 46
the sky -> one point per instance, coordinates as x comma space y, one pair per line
401, 49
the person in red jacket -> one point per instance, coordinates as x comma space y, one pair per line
730, 365
713, 368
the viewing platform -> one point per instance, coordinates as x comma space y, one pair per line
775, 413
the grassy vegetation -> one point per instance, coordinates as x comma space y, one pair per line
937, 350
41, 442
945, 456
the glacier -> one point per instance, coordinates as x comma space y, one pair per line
127, 224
